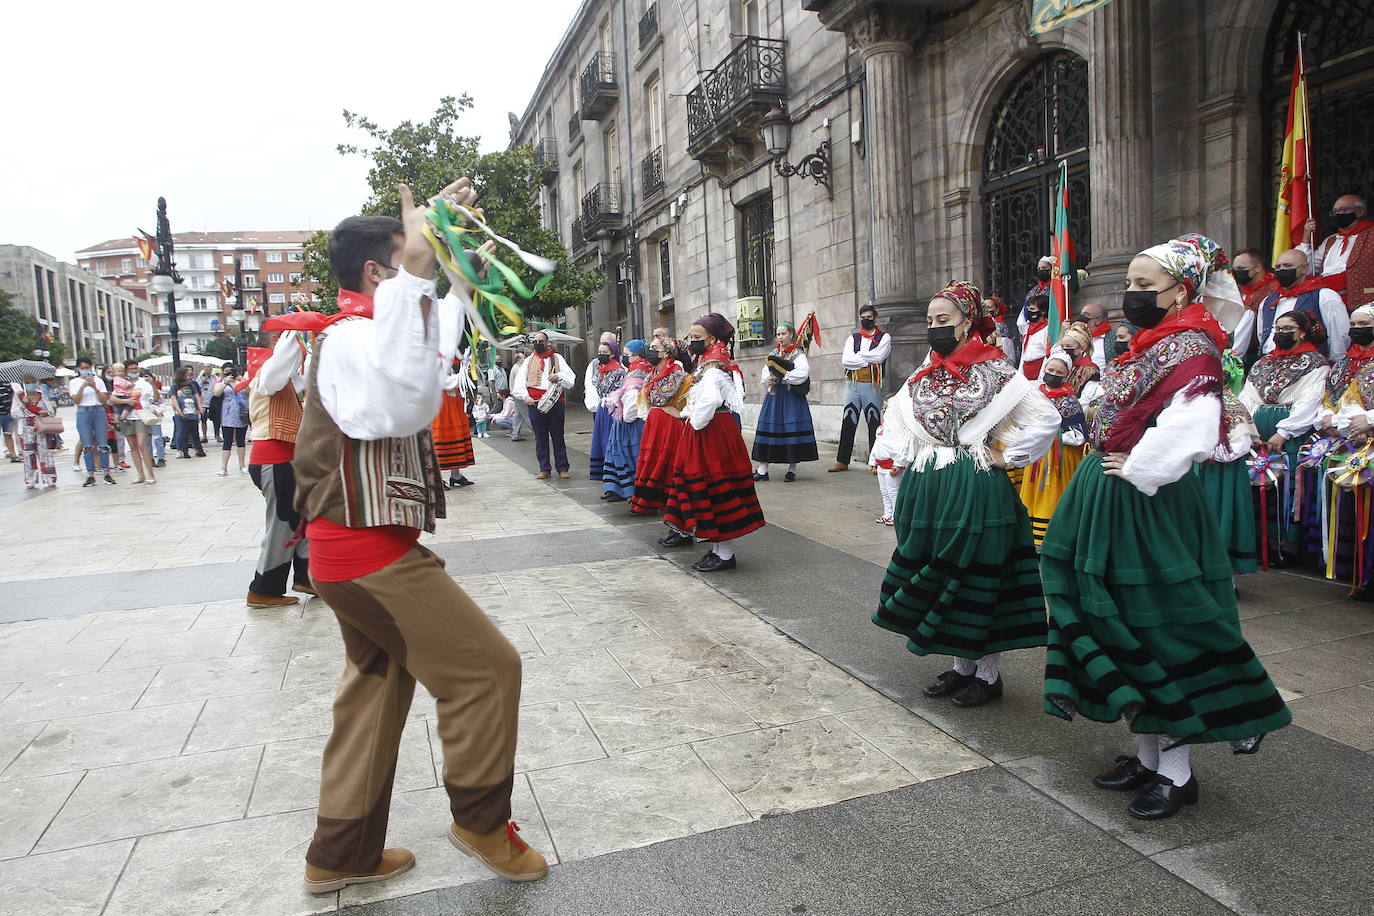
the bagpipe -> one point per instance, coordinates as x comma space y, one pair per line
779, 365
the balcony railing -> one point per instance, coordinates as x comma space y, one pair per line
651, 173
648, 26
735, 95
546, 157
574, 128
599, 89
602, 210
579, 241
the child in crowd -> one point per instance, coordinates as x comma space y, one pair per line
480, 413
883, 463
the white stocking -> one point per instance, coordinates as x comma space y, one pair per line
987, 668
1174, 764
725, 550
763, 467
1147, 751
964, 666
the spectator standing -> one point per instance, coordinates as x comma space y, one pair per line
1345, 260
39, 470
89, 394
214, 407
233, 418
125, 398
522, 410
151, 412
186, 412
7, 405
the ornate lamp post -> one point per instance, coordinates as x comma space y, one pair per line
777, 132
166, 281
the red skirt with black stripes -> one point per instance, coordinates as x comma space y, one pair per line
658, 454
712, 493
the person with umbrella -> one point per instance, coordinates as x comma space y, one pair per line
30, 406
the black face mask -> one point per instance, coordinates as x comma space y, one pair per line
698, 347
1242, 276
1362, 336
1120, 348
1343, 220
541, 348
1043, 275
1032, 316
603, 358
943, 340
1288, 276
868, 323
1053, 381
1285, 340
654, 357
1141, 307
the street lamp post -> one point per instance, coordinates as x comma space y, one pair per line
167, 280
239, 313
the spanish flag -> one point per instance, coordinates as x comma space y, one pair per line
147, 247
1295, 177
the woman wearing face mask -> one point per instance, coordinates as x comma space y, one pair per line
627, 426
604, 374
1346, 413
1283, 392
660, 403
1125, 331
1044, 482
29, 404
1143, 618
712, 494
784, 433
1036, 342
963, 580
1083, 375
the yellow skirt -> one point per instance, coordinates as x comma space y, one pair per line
1045, 481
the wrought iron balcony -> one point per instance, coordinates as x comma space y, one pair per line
574, 128
651, 173
599, 89
602, 211
648, 26
725, 109
579, 241
546, 157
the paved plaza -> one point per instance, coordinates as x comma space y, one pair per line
747, 743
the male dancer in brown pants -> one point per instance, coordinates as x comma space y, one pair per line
367, 484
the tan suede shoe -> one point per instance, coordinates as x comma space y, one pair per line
838, 466
502, 851
256, 600
323, 881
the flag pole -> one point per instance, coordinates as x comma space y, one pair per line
1307, 141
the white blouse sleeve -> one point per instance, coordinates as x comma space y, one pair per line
1244, 334
1186, 432
801, 370
383, 378
1037, 423
711, 392
1307, 394
590, 400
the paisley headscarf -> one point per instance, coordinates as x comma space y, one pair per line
1201, 266
968, 299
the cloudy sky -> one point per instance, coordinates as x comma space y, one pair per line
231, 110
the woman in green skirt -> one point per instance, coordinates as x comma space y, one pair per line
1143, 618
1226, 481
1284, 394
964, 580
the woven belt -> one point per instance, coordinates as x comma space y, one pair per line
861, 375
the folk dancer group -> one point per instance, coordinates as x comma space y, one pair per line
1142, 618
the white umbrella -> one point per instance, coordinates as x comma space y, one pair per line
64, 372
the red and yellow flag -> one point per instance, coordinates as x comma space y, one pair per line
1295, 177
147, 247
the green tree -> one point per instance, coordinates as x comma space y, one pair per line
428, 155
316, 267
220, 348
19, 333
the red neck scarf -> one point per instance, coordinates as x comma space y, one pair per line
1355, 228
1357, 353
1062, 391
1305, 347
665, 366
783, 351
1037, 327
871, 334
1306, 286
640, 364
1193, 316
352, 305
1084, 361
1248, 291
719, 355
1101, 329
967, 354
609, 367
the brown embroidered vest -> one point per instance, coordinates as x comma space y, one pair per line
363, 483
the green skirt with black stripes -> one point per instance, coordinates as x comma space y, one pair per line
1143, 618
964, 579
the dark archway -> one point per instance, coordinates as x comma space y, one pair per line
1041, 121
1339, 51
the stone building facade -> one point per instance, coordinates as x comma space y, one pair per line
85, 312
944, 124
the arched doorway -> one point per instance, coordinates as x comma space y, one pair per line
1041, 121
1339, 51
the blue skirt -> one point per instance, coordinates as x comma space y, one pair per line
784, 433
601, 432
622, 456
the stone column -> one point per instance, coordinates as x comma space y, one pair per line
1121, 138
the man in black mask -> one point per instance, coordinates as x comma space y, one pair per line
1308, 294
1345, 261
864, 354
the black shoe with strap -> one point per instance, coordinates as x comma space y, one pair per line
758, 476
977, 692
1128, 774
1163, 799
675, 539
713, 563
947, 684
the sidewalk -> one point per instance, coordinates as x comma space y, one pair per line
739, 744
